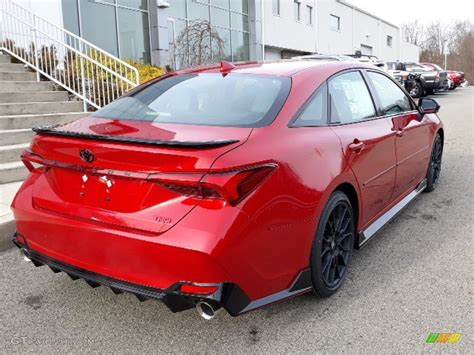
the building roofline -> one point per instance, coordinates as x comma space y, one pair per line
343, 2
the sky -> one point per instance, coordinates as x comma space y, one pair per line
425, 11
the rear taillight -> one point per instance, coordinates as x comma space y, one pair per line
192, 189
231, 186
33, 162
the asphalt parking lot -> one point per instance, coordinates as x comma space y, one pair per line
415, 278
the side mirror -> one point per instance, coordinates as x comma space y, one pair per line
428, 105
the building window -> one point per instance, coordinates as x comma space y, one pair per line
389, 41
335, 23
309, 13
297, 10
203, 31
276, 7
128, 31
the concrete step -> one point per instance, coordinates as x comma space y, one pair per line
28, 108
28, 121
7, 224
12, 68
38, 96
13, 171
12, 65
14, 136
14, 76
7, 66
25, 86
11, 153
5, 58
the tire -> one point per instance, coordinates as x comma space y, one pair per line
434, 169
416, 91
332, 249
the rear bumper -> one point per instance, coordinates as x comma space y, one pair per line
228, 295
210, 247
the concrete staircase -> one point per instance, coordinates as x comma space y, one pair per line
24, 103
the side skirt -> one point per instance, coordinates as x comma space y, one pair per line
300, 285
377, 225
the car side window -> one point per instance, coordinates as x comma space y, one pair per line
350, 99
314, 112
391, 97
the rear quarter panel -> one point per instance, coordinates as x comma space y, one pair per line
286, 207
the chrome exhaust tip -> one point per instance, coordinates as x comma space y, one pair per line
207, 310
26, 254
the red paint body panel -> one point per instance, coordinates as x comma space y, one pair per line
457, 77
132, 228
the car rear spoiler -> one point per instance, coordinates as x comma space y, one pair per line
53, 131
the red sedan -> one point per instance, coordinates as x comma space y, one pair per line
457, 77
231, 186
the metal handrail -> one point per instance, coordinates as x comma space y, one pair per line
80, 67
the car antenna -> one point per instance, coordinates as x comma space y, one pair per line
226, 67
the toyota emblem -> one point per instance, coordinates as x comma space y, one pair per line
87, 155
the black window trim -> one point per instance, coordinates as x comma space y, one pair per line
372, 92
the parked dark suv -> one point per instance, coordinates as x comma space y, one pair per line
442, 74
429, 78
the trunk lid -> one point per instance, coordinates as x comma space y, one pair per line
115, 186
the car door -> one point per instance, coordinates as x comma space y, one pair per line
368, 142
412, 132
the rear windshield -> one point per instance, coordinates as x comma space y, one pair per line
239, 100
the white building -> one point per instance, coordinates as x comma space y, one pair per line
161, 31
295, 27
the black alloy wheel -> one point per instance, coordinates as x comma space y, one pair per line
332, 250
434, 168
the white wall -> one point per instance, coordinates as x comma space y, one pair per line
272, 53
357, 27
409, 52
50, 10
334, 42
284, 32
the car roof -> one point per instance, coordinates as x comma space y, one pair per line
286, 68
328, 57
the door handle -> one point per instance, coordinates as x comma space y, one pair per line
400, 132
356, 146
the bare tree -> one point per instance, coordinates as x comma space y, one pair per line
198, 43
413, 32
453, 43
461, 49
458, 32
436, 37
